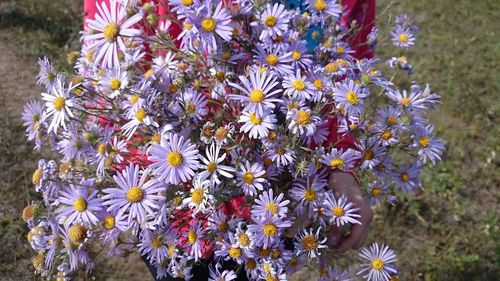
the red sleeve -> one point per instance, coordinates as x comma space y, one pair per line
339, 140
363, 11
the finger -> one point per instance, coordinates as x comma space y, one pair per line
334, 235
361, 241
357, 231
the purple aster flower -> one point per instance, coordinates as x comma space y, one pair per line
111, 28
267, 204
307, 192
79, 203
175, 160
209, 22
340, 210
194, 238
302, 121
226, 275
310, 242
378, 263
258, 92
135, 194
194, 104
297, 86
47, 75
276, 58
350, 97
268, 230
407, 178
250, 178
429, 148
58, 104
32, 116
341, 159
212, 164
257, 127
322, 10
402, 37
273, 21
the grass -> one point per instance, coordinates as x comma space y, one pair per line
448, 232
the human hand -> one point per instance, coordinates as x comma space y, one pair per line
345, 184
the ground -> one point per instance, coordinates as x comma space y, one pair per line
448, 232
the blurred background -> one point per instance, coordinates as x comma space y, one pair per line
448, 232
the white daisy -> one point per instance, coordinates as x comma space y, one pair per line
108, 31
212, 167
58, 104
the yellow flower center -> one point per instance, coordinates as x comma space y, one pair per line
156, 138
332, 67
376, 191
403, 37
405, 177
80, 204
221, 133
298, 85
197, 195
424, 141
108, 222
251, 264
320, 5
101, 148
337, 163
226, 55
211, 167
303, 118
272, 59
309, 243
77, 233
187, 2
257, 96
235, 252
174, 158
377, 264
171, 250
391, 120
270, 21
190, 107
223, 226
405, 101
134, 99
115, 84
111, 32
352, 98
386, 135
340, 50
244, 240
310, 194
135, 194
368, 155
37, 176
59, 103
248, 178
255, 120
157, 241
296, 55
270, 229
208, 24
192, 237
318, 84
140, 114
272, 207
338, 211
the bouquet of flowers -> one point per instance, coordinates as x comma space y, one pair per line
214, 142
